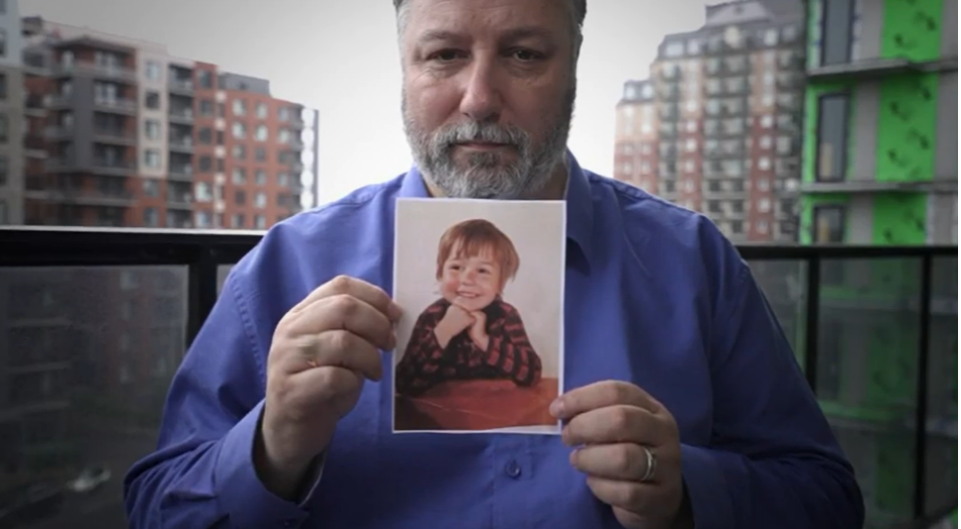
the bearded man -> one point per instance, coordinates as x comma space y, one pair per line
687, 408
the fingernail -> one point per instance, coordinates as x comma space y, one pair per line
557, 408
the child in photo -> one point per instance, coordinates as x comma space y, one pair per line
470, 332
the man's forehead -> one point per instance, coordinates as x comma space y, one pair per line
503, 18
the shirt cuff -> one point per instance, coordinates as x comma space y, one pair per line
242, 494
707, 487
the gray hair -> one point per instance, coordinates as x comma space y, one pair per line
578, 13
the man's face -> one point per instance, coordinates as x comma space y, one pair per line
488, 93
473, 282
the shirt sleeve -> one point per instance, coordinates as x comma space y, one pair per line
510, 351
419, 369
773, 460
202, 473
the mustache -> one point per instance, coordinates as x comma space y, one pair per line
474, 131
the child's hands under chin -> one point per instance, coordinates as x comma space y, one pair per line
478, 330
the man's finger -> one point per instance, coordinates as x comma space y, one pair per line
620, 461
343, 312
601, 395
628, 495
613, 424
338, 348
358, 288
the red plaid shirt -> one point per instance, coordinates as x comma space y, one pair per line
509, 353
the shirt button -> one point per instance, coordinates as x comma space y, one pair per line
512, 469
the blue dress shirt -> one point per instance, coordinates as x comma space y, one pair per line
655, 295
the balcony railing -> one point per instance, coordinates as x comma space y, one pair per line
874, 330
113, 72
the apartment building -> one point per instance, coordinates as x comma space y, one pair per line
716, 127
11, 115
137, 137
880, 167
880, 163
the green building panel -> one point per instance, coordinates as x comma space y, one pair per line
911, 29
907, 121
900, 218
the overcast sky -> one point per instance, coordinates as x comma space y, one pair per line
340, 57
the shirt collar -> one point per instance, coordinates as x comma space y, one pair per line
580, 204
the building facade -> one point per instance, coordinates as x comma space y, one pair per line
12, 118
880, 161
880, 168
716, 128
136, 137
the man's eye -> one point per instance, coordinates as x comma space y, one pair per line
446, 55
526, 55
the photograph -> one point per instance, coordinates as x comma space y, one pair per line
480, 345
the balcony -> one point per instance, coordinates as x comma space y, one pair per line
127, 107
184, 144
102, 71
114, 136
120, 307
872, 69
183, 116
180, 201
867, 185
83, 197
180, 173
181, 86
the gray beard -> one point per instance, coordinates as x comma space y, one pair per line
487, 174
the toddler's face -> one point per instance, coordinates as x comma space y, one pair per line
471, 282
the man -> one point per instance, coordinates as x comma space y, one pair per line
686, 409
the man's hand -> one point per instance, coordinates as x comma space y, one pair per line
478, 330
455, 320
322, 351
614, 425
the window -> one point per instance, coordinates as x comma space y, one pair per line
836, 31
151, 187
151, 129
764, 163
205, 136
151, 158
261, 111
239, 130
3, 170
764, 185
764, 205
260, 222
203, 192
765, 142
239, 107
4, 128
237, 221
763, 227
240, 176
239, 152
283, 114
260, 177
3, 86
260, 154
206, 164
152, 100
828, 225
152, 70
204, 219
206, 105
150, 217
283, 135
767, 121
3, 43
261, 133
205, 78
240, 197
832, 137
260, 200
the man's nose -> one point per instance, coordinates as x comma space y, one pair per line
482, 99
